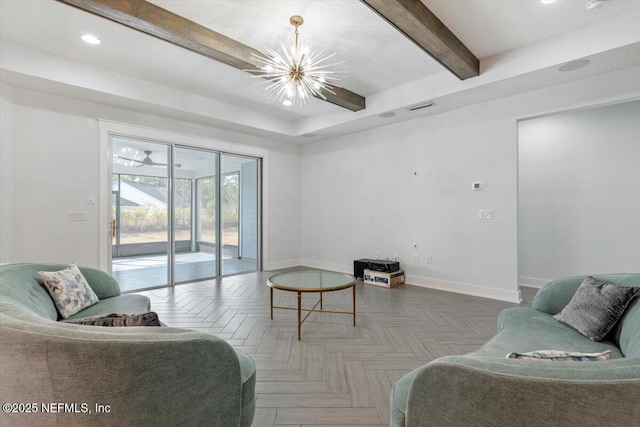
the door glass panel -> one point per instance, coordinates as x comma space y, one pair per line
195, 214
140, 209
240, 213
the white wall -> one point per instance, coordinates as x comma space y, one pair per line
54, 155
579, 188
359, 196
283, 231
6, 175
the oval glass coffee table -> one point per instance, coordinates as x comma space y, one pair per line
312, 281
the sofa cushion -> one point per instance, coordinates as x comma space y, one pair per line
69, 290
118, 320
127, 304
596, 307
627, 335
19, 286
523, 329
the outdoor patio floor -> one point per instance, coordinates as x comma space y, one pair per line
134, 273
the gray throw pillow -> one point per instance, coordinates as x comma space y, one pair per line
596, 307
114, 319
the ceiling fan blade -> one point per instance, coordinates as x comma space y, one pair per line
131, 160
145, 162
178, 165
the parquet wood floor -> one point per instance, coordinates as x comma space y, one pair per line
336, 375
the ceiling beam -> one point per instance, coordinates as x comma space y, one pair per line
163, 24
413, 19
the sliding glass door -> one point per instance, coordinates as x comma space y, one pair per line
240, 213
196, 250
140, 213
182, 214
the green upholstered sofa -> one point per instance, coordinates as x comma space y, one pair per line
148, 376
486, 389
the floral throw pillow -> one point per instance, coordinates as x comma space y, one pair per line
68, 289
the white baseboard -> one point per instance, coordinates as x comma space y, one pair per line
425, 282
465, 288
530, 282
340, 268
277, 265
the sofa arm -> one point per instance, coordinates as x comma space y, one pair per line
552, 298
462, 390
103, 284
146, 376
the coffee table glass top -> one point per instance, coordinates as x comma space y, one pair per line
311, 281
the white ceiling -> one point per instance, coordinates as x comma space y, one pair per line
491, 27
381, 63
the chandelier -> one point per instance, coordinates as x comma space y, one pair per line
300, 73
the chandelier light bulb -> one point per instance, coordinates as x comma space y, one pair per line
298, 74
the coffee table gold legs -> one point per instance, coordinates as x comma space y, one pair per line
354, 305
313, 309
299, 313
271, 289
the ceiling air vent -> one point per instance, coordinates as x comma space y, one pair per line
421, 106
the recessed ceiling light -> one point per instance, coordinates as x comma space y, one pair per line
88, 38
594, 4
387, 114
574, 65
547, 1
287, 102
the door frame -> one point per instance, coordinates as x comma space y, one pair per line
109, 129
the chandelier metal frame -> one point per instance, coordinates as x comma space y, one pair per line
299, 74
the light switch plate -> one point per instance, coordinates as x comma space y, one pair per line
485, 214
77, 216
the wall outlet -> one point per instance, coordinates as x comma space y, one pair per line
416, 257
377, 255
485, 214
427, 258
428, 173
